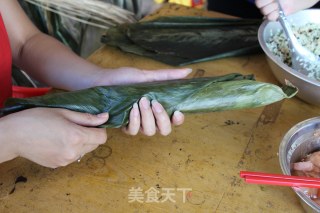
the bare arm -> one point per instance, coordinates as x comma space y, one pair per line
43, 57
56, 137
50, 62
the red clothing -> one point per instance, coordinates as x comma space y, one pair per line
6, 88
5, 64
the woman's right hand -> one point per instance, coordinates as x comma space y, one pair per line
50, 137
269, 8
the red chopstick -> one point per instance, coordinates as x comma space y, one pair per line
280, 180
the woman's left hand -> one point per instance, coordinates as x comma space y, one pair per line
146, 117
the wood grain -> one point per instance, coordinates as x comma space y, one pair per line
205, 154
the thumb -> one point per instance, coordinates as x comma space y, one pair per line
166, 74
86, 119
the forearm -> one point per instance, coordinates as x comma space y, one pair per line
42, 56
7, 151
50, 62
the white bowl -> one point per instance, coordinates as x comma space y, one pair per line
309, 89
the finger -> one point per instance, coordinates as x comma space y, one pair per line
263, 3
87, 149
93, 135
85, 139
177, 118
273, 7
162, 118
134, 121
147, 119
273, 16
86, 119
166, 74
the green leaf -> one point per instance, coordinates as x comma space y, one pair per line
229, 92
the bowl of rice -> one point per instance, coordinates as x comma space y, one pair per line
306, 27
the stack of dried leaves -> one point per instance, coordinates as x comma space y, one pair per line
186, 40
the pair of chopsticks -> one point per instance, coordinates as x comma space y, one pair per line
280, 180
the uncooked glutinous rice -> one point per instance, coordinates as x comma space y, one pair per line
308, 35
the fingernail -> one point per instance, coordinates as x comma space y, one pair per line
145, 103
178, 115
103, 115
157, 106
135, 110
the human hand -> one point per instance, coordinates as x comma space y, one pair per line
145, 117
153, 117
130, 75
52, 137
269, 8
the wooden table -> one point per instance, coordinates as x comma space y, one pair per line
205, 155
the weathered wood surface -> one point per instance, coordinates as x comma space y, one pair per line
205, 154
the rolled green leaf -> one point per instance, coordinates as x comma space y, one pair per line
229, 92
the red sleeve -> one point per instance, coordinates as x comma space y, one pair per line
5, 64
